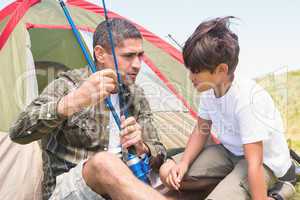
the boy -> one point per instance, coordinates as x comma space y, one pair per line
252, 152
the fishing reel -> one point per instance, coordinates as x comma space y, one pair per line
139, 166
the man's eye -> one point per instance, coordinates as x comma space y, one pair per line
129, 55
140, 55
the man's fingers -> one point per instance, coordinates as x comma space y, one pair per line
129, 121
99, 77
130, 129
109, 87
105, 80
123, 118
109, 73
124, 138
131, 142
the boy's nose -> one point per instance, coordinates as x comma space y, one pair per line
191, 76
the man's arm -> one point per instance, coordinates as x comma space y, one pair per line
48, 111
41, 116
149, 134
256, 177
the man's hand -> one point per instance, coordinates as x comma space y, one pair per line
131, 135
175, 175
94, 90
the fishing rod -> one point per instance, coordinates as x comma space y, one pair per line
140, 169
175, 41
88, 58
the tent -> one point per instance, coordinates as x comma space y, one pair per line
36, 42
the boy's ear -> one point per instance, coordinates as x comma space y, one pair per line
222, 68
99, 54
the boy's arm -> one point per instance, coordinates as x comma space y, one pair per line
196, 141
254, 156
194, 146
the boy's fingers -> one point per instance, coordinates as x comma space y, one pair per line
169, 185
174, 179
173, 183
180, 175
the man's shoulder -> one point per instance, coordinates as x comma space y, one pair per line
136, 92
75, 75
138, 97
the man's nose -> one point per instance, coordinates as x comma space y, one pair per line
137, 63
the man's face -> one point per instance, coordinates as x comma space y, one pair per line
129, 56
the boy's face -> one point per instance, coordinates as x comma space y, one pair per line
206, 80
202, 81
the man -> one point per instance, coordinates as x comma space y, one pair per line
79, 137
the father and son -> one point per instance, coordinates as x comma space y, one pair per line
81, 142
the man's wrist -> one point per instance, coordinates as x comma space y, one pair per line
67, 105
142, 148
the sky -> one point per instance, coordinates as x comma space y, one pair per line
268, 30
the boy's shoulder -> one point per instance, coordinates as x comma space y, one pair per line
249, 93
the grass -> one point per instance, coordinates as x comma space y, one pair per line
284, 88
296, 146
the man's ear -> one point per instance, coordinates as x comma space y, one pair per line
99, 54
222, 68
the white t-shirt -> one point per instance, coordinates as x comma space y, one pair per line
247, 114
114, 132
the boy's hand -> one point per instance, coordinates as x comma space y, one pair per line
176, 174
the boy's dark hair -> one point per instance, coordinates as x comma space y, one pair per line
211, 44
121, 29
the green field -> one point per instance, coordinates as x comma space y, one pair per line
285, 90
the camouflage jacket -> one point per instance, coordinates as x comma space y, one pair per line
67, 141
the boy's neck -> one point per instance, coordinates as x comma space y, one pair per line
221, 89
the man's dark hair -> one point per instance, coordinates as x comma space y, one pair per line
211, 44
121, 29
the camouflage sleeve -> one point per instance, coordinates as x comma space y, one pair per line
40, 117
150, 135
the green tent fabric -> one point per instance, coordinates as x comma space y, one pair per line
44, 32
36, 42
